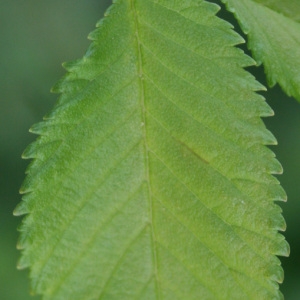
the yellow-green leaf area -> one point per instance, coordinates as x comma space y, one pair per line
151, 178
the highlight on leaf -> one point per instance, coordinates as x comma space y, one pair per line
151, 178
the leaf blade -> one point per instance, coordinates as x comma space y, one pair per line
140, 186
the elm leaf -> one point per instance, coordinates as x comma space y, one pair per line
151, 178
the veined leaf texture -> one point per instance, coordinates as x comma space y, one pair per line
151, 178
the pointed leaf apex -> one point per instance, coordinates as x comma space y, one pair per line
21, 209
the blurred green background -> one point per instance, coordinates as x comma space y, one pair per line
36, 37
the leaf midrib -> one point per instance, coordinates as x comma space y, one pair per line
146, 148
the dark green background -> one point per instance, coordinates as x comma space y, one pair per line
35, 38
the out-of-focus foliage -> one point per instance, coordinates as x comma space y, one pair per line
289, 8
36, 36
273, 38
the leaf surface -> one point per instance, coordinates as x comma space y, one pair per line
274, 38
150, 178
289, 8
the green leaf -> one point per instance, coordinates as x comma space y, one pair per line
274, 38
290, 8
150, 178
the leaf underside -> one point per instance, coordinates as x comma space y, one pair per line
273, 31
150, 178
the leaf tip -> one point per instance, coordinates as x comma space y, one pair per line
283, 249
276, 168
25, 187
21, 209
278, 274
28, 153
21, 265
